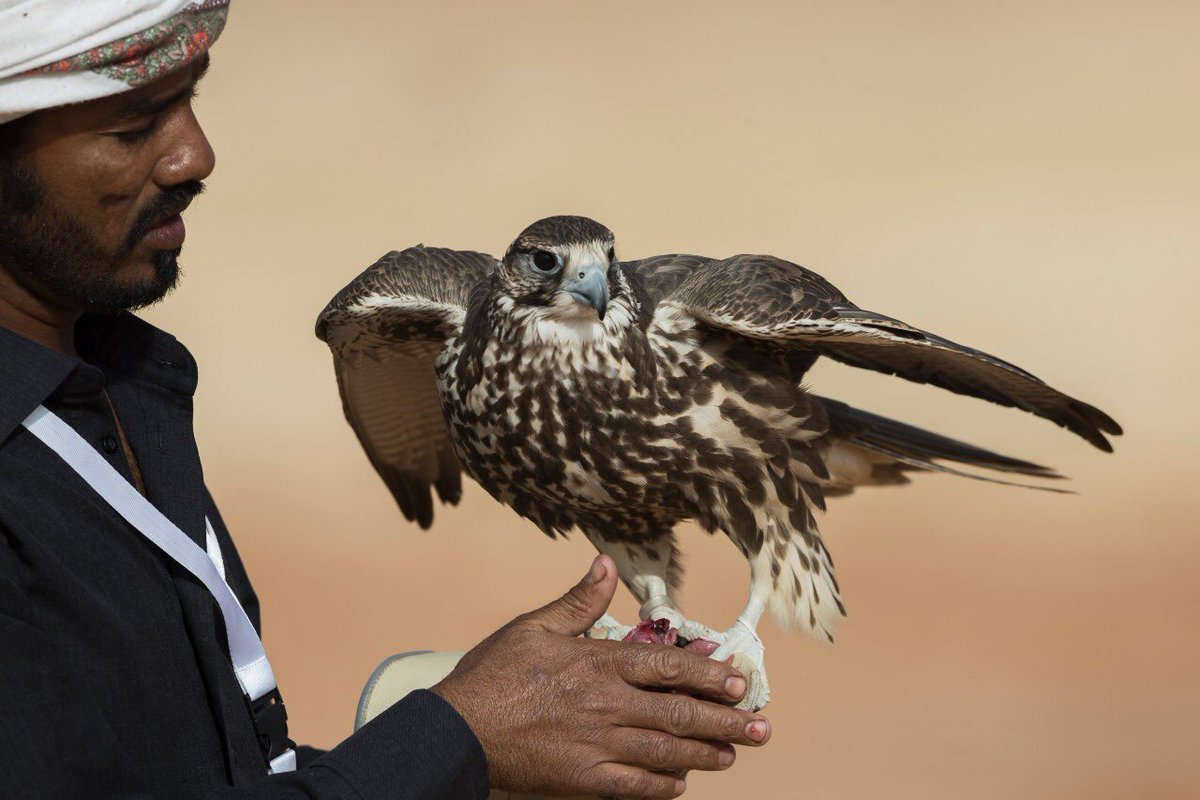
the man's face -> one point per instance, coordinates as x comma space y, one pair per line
91, 197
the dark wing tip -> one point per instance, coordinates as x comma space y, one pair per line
1101, 420
1078, 417
424, 510
449, 487
1091, 423
413, 498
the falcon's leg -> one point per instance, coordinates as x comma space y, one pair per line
650, 569
742, 641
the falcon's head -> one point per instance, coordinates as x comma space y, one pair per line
568, 265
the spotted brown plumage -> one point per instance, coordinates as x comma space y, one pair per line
624, 397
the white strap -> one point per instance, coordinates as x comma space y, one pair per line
214, 549
250, 662
284, 762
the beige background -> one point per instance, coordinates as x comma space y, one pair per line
1022, 177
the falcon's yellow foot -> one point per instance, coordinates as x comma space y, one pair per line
742, 643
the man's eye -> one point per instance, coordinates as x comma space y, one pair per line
135, 135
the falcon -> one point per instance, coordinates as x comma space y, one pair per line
621, 397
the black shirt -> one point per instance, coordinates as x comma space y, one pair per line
115, 678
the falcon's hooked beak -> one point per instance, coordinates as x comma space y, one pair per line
588, 283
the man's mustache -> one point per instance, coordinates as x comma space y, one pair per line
172, 201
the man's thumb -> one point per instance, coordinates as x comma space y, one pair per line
578, 609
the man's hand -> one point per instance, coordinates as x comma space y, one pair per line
557, 714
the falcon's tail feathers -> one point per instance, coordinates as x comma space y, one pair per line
906, 447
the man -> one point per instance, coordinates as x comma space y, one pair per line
115, 659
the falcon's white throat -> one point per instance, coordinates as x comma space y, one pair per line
568, 324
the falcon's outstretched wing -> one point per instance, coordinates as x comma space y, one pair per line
766, 298
386, 329
661, 275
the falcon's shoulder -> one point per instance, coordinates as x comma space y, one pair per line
757, 292
424, 288
658, 276
386, 329
769, 299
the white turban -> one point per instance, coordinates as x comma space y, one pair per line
55, 52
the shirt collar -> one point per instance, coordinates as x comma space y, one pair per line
111, 347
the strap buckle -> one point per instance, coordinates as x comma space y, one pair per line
269, 717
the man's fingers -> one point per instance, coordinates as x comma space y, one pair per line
578, 609
660, 751
621, 780
680, 715
674, 668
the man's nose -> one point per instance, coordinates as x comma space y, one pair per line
188, 156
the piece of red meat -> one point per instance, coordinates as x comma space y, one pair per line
659, 631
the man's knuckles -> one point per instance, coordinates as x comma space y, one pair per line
686, 716
660, 751
731, 727
663, 665
726, 725
681, 715
674, 667
619, 781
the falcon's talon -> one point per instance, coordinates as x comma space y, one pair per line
608, 628
607, 621
743, 644
692, 631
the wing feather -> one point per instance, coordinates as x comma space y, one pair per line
386, 329
766, 298
661, 275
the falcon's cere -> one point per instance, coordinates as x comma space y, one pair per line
623, 397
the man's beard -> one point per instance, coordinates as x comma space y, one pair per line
51, 246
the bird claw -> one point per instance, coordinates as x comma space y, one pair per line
660, 630
608, 628
694, 631
739, 645
746, 650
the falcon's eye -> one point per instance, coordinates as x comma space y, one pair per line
545, 261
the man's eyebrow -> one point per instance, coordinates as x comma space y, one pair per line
149, 106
